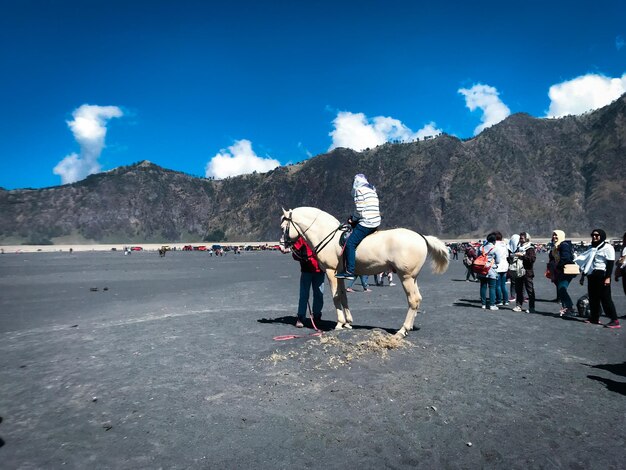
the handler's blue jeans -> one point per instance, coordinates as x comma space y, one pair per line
308, 280
356, 237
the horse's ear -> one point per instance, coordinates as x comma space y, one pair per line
285, 213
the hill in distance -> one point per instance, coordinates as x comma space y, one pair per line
524, 173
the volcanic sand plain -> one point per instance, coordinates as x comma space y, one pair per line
138, 361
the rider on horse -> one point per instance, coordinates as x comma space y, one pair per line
365, 219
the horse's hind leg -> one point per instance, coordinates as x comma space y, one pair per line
414, 299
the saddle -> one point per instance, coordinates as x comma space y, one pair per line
347, 230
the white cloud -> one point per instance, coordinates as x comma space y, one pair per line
238, 159
357, 132
89, 129
584, 93
487, 99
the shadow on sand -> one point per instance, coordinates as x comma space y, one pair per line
611, 385
325, 325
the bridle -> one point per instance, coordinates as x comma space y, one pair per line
288, 242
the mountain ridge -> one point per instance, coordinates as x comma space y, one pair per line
523, 173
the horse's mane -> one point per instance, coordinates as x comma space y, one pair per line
321, 215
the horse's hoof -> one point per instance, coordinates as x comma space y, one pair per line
402, 333
338, 326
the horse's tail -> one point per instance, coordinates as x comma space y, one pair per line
438, 250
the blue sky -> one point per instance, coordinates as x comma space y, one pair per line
220, 88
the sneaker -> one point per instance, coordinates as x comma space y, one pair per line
569, 313
500, 304
506, 303
613, 324
367, 290
299, 323
531, 310
517, 308
349, 289
391, 284
493, 307
483, 306
593, 322
345, 275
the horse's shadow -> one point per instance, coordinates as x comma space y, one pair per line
325, 325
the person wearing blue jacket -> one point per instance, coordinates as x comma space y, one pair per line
562, 253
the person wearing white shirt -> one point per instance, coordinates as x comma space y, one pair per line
598, 269
502, 248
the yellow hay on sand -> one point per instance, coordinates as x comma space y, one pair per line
340, 353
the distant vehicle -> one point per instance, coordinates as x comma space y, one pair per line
187, 248
200, 248
136, 248
216, 247
166, 248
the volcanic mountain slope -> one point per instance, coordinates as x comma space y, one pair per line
521, 174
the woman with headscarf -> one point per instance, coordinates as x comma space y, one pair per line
513, 245
598, 266
526, 252
562, 253
365, 219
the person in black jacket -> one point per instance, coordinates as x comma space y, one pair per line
562, 253
526, 252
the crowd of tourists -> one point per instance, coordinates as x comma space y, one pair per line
497, 260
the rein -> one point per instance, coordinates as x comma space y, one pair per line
318, 332
324, 242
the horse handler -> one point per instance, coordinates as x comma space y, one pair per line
365, 219
311, 276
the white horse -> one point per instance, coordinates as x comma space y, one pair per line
399, 250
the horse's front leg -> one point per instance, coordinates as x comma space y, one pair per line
414, 299
340, 299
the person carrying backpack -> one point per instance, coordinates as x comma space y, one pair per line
468, 259
488, 258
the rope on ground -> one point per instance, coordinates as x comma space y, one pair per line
318, 332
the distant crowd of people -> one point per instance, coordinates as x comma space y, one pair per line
497, 260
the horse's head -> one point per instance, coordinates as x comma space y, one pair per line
289, 231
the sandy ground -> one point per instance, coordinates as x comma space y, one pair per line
127, 362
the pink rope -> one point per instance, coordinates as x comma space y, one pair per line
318, 332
